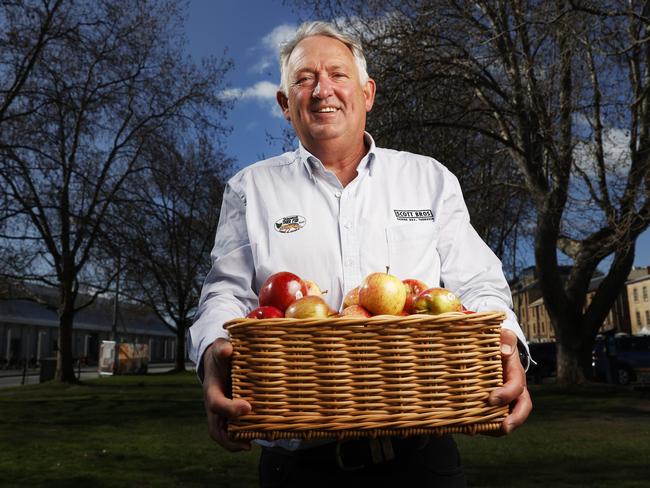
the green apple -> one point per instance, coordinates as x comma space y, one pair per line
434, 301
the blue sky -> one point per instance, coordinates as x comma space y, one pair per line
251, 30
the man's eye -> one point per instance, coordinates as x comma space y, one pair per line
303, 81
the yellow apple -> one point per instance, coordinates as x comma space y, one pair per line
382, 294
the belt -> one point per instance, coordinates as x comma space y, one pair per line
355, 454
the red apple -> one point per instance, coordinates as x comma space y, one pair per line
465, 310
309, 307
435, 301
351, 297
355, 311
382, 294
413, 289
282, 289
267, 312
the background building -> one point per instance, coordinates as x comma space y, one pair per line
29, 330
639, 304
630, 313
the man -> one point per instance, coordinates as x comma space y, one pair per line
358, 209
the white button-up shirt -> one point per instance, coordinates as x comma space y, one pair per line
289, 213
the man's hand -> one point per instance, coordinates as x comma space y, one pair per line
514, 391
220, 408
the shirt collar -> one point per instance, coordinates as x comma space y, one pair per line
313, 164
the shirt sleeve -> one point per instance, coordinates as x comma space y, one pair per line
468, 266
227, 291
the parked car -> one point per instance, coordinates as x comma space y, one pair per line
622, 359
545, 355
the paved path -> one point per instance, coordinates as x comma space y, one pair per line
15, 377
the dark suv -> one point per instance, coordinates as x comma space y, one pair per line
622, 359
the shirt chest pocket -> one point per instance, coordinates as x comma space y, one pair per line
412, 252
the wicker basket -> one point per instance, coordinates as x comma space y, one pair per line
354, 377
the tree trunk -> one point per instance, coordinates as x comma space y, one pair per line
569, 369
64, 360
180, 346
576, 336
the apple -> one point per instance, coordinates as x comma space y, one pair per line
312, 288
434, 301
355, 311
267, 312
382, 294
282, 289
309, 307
351, 297
413, 289
465, 310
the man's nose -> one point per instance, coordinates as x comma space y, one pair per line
323, 88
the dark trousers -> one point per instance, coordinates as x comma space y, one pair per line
423, 462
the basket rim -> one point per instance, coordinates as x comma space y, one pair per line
414, 319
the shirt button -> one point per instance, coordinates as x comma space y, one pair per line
337, 194
347, 225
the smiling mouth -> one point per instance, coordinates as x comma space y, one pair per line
326, 110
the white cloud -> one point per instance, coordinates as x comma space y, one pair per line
261, 91
615, 149
616, 146
267, 51
278, 36
231, 94
269, 47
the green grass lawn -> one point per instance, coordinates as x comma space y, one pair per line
595, 436
151, 431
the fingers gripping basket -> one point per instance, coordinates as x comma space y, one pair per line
353, 377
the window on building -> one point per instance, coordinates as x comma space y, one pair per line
647, 317
638, 318
635, 294
645, 293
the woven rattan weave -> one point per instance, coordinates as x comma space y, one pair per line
351, 377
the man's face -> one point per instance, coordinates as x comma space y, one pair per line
326, 100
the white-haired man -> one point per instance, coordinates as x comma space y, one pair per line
350, 196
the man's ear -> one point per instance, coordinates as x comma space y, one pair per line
369, 93
283, 101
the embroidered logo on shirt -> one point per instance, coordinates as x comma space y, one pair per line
292, 223
413, 215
